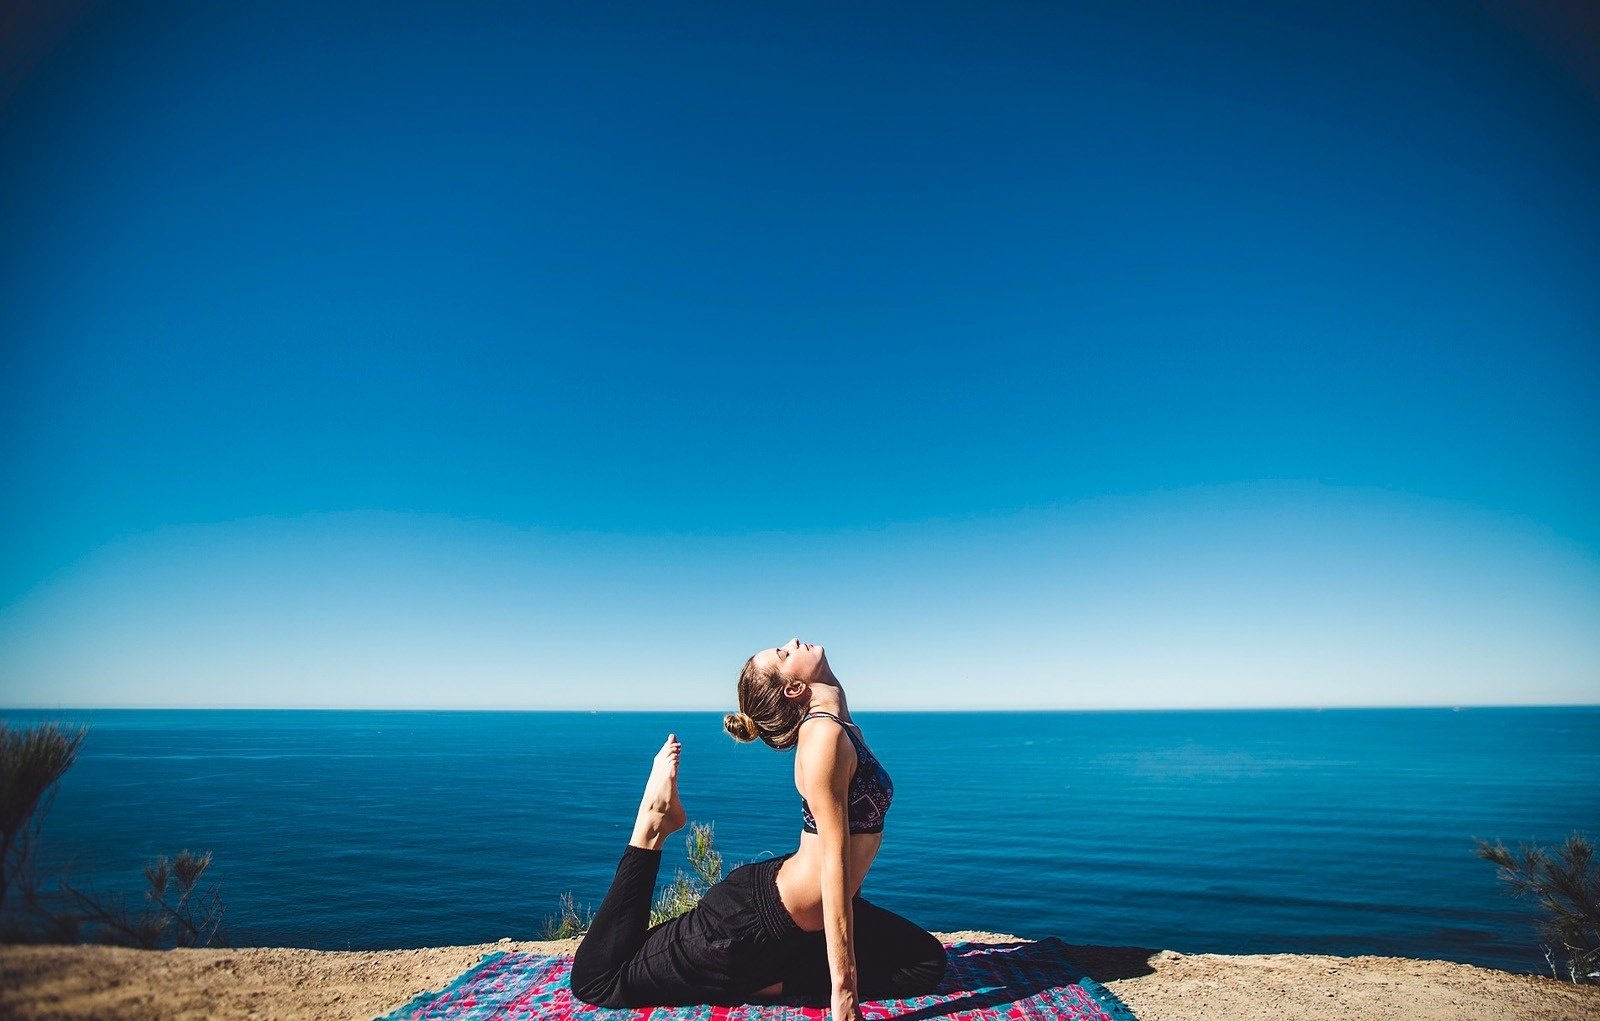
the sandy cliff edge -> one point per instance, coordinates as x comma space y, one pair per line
80, 982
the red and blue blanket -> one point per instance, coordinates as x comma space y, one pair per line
1033, 981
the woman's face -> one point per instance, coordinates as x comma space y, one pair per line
796, 660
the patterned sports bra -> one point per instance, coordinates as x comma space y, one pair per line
871, 790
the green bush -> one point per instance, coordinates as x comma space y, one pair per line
1566, 884
681, 894
568, 921
685, 891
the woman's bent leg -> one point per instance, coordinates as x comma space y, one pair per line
731, 944
895, 959
618, 929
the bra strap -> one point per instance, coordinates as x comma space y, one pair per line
826, 715
849, 728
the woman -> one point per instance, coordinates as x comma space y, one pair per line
794, 927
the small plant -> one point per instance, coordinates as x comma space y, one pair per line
568, 921
704, 857
681, 894
684, 892
676, 898
173, 912
32, 762
1566, 883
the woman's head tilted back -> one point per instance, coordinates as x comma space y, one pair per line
774, 692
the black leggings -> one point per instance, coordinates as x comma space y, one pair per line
738, 940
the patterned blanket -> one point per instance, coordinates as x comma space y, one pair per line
985, 982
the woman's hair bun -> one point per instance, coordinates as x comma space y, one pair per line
742, 727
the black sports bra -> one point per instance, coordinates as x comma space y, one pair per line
871, 790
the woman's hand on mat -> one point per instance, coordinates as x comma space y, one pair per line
845, 1007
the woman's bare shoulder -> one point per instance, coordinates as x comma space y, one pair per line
820, 751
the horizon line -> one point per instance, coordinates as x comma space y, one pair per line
1452, 707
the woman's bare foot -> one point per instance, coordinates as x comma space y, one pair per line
660, 812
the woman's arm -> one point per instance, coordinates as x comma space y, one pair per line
825, 771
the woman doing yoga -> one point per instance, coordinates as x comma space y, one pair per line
794, 926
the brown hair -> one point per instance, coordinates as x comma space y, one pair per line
763, 711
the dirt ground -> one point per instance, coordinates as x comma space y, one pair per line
54, 982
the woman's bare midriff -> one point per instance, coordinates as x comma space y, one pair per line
800, 881
800, 877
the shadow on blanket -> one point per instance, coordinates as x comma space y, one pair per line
987, 975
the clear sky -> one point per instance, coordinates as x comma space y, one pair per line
1025, 355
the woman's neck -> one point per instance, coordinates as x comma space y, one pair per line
828, 699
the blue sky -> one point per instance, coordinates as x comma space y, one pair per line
1105, 356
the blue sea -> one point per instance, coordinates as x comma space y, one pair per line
1338, 831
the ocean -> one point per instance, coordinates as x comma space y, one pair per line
1337, 831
